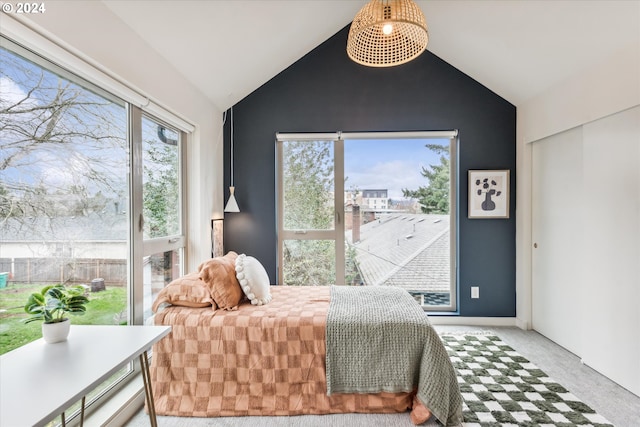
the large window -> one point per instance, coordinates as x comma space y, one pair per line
91, 193
369, 210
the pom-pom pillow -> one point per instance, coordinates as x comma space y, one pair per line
186, 291
219, 275
253, 279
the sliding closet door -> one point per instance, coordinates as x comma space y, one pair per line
557, 233
611, 148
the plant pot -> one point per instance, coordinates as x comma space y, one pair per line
56, 332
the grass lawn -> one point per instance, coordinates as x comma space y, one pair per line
104, 308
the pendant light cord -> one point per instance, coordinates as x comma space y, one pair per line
231, 146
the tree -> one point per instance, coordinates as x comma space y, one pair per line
47, 121
161, 201
434, 197
309, 183
65, 153
308, 204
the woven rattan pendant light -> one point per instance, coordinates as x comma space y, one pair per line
386, 33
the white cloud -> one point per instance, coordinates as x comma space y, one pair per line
11, 92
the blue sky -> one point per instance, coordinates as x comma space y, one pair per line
388, 164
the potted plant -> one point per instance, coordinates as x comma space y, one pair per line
51, 306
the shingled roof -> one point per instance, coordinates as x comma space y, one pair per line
90, 228
410, 251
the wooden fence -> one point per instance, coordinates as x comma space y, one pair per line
65, 270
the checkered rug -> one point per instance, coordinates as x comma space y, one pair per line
431, 298
436, 298
501, 388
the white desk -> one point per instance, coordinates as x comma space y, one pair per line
39, 381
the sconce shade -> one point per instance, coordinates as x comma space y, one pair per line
232, 205
385, 33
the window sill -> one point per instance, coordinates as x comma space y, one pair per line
120, 407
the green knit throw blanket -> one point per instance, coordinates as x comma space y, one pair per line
380, 340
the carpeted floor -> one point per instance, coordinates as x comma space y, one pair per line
499, 386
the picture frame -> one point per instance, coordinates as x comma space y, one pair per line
217, 242
489, 193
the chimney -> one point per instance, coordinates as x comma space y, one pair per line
355, 230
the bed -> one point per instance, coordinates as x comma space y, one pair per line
306, 350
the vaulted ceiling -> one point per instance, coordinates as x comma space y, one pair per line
517, 48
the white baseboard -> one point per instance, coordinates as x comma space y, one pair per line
473, 321
523, 324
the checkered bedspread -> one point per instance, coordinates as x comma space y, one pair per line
257, 360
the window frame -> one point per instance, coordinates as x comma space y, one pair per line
338, 232
141, 247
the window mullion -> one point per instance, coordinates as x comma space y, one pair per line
338, 159
136, 259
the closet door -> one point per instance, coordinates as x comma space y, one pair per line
557, 232
611, 155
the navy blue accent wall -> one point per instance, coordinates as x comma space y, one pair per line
326, 92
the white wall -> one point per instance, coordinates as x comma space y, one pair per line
92, 32
597, 100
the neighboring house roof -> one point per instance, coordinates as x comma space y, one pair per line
405, 250
92, 227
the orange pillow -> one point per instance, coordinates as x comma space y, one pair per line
186, 291
219, 274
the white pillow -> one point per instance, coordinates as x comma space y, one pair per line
253, 279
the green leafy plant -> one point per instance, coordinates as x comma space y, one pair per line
53, 302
